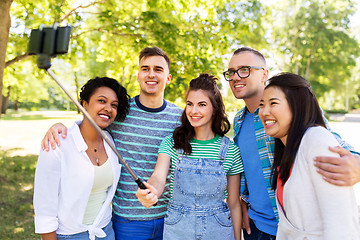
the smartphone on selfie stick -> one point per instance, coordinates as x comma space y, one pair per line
47, 42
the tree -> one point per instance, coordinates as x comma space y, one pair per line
108, 35
315, 39
196, 35
28, 15
4, 36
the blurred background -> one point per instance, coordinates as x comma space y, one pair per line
314, 38
318, 39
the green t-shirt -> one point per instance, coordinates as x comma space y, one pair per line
204, 149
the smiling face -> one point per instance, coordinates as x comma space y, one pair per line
102, 106
199, 110
252, 87
153, 75
275, 113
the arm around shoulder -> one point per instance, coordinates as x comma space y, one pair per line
342, 170
52, 136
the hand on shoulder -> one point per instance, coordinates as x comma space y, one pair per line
341, 171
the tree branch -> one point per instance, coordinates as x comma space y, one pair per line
16, 59
57, 15
105, 31
76, 8
26, 55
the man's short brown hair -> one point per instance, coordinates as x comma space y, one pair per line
153, 51
251, 50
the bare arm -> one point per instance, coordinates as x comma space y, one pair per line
341, 171
156, 183
233, 188
244, 192
52, 136
245, 216
49, 236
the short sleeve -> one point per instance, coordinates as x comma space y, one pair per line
234, 156
166, 145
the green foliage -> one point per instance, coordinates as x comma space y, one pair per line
16, 189
316, 42
107, 37
28, 83
307, 37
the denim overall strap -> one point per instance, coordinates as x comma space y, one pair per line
224, 148
197, 209
179, 152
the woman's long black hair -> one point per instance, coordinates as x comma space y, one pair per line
220, 124
306, 113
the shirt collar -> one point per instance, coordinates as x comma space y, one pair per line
142, 107
77, 137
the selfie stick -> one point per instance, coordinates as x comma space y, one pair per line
137, 179
47, 42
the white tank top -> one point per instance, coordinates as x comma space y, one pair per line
103, 179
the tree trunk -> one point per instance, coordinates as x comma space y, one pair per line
5, 101
4, 37
16, 105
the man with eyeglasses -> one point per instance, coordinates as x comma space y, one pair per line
247, 75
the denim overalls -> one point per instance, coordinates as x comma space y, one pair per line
197, 209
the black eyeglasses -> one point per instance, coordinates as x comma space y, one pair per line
242, 72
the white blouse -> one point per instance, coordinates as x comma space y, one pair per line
314, 208
64, 178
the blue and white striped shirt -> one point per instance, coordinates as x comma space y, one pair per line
137, 139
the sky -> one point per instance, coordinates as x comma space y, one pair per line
355, 19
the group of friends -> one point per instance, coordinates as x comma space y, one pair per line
285, 175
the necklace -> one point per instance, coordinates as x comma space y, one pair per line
96, 152
97, 159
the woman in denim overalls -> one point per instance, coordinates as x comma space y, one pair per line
204, 163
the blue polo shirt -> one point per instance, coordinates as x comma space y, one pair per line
260, 210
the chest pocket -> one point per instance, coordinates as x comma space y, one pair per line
200, 177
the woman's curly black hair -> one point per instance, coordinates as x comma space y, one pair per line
90, 87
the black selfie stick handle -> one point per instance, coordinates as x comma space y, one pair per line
140, 183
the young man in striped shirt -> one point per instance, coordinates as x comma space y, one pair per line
137, 139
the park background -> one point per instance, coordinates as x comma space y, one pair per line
318, 39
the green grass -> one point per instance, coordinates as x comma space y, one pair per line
26, 117
16, 191
37, 116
